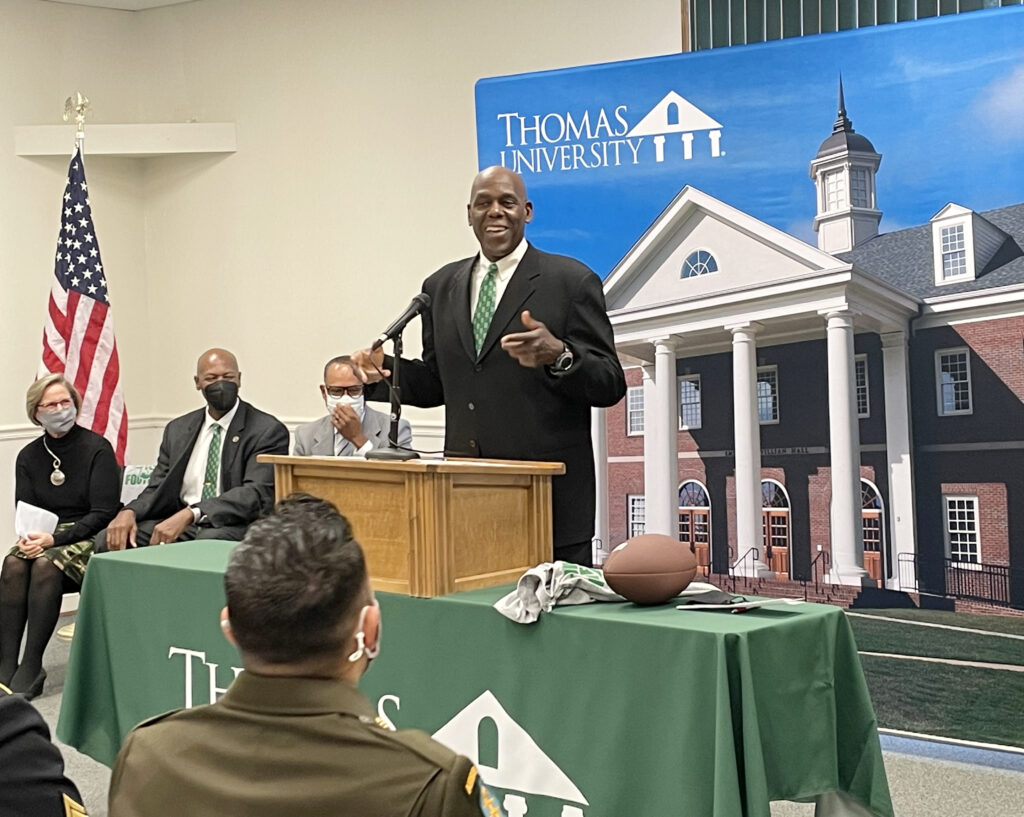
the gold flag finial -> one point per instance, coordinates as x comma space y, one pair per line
76, 106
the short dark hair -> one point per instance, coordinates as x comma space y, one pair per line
295, 582
340, 360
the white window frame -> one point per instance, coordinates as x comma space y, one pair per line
971, 502
858, 175
953, 248
940, 406
689, 378
775, 397
631, 411
858, 387
834, 191
636, 515
704, 264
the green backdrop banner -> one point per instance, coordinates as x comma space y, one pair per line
605, 710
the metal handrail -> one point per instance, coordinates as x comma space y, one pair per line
823, 556
754, 552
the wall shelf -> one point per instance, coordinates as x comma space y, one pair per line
137, 141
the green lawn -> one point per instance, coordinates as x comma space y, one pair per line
997, 624
906, 639
985, 705
958, 702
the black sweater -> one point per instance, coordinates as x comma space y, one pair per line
90, 495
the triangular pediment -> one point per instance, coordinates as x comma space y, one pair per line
673, 114
522, 764
696, 227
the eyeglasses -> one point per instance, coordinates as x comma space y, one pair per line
340, 391
55, 406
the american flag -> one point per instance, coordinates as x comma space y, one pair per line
78, 337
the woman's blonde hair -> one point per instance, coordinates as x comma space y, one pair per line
35, 393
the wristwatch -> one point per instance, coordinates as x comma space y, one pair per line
564, 361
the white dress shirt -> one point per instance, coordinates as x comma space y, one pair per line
195, 471
506, 267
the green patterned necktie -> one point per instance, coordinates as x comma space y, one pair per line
212, 464
484, 307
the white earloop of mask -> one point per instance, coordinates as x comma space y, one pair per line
361, 648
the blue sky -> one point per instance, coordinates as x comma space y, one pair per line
942, 100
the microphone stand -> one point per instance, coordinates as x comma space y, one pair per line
393, 452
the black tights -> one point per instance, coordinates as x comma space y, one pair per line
30, 593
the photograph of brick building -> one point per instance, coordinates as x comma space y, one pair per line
850, 412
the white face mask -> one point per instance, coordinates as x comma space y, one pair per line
59, 421
358, 403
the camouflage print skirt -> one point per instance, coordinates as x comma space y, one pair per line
71, 559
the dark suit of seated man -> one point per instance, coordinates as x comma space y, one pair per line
207, 483
293, 735
32, 781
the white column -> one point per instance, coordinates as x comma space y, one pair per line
844, 446
902, 525
599, 438
661, 422
747, 448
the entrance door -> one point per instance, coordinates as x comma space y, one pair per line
695, 522
775, 527
872, 523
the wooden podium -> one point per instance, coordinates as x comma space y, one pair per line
432, 527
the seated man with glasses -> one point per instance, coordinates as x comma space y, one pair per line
350, 428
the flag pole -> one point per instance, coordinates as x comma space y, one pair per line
76, 106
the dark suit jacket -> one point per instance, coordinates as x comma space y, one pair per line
32, 781
496, 408
247, 486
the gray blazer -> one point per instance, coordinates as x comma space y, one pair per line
316, 439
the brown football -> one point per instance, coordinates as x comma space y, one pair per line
650, 569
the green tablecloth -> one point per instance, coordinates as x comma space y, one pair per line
605, 710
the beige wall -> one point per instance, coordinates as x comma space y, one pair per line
356, 146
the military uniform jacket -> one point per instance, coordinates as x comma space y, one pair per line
32, 781
281, 747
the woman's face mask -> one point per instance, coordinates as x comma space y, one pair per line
59, 421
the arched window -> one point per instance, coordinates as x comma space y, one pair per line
695, 521
872, 517
487, 743
672, 114
700, 262
775, 526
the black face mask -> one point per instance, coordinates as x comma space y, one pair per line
221, 394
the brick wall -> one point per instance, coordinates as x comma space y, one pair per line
993, 519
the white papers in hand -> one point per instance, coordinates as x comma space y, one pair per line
31, 519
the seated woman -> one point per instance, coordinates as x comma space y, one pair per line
71, 472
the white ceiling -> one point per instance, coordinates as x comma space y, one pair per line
123, 5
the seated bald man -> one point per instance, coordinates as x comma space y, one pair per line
207, 483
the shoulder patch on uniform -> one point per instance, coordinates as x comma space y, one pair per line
488, 806
73, 809
471, 779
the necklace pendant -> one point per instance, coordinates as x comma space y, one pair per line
57, 477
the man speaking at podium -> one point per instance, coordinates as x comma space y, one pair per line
517, 346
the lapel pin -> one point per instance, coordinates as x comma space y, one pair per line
234, 439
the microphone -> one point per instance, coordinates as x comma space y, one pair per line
415, 307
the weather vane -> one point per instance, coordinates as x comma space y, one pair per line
76, 106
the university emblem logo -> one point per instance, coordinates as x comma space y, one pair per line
522, 769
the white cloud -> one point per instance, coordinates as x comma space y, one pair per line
1000, 105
